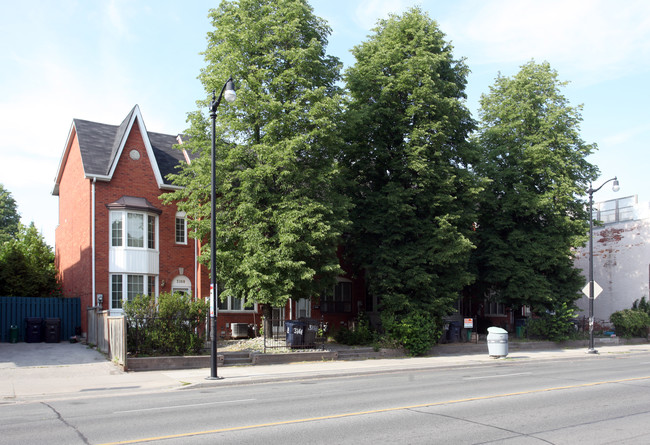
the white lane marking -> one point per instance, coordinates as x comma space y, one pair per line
158, 408
496, 376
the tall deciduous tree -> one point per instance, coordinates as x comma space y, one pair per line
407, 155
531, 215
280, 215
9, 217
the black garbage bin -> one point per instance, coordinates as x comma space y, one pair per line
453, 334
33, 330
295, 331
311, 331
52, 330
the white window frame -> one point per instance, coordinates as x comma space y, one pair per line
227, 305
180, 216
121, 217
126, 281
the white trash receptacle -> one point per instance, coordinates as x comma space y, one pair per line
497, 341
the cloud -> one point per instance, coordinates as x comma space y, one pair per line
369, 11
597, 38
626, 136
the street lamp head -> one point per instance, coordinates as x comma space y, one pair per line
615, 186
229, 92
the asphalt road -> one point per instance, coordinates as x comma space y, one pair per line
597, 401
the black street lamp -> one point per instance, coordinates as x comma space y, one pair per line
591, 191
228, 91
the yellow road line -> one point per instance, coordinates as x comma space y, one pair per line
375, 411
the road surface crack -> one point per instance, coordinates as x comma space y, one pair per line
66, 423
487, 425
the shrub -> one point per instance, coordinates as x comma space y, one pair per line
362, 334
557, 326
170, 326
630, 323
641, 305
417, 331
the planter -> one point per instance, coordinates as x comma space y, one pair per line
171, 362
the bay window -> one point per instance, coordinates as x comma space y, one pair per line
139, 230
135, 285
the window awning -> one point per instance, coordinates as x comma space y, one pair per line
133, 203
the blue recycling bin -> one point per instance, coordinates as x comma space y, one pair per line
295, 333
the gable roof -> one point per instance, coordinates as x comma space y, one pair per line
101, 146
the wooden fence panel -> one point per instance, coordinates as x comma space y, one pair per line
117, 339
91, 335
102, 332
14, 311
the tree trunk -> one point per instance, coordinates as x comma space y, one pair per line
267, 313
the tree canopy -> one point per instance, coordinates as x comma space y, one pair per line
280, 214
407, 157
27, 266
9, 217
531, 216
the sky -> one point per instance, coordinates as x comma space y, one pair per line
95, 60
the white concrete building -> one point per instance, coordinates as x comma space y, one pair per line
621, 256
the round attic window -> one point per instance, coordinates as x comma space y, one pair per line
134, 154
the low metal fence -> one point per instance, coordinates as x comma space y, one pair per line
164, 335
293, 334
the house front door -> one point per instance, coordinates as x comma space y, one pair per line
277, 320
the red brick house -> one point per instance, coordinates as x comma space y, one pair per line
116, 239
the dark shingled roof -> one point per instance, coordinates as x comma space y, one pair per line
99, 145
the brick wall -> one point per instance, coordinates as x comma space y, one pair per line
73, 251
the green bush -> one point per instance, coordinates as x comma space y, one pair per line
362, 334
557, 326
641, 305
170, 326
630, 323
417, 331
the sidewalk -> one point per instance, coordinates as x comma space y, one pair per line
40, 371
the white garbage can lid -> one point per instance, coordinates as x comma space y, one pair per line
495, 330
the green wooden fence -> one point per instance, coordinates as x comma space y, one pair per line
14, 311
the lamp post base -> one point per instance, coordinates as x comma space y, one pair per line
216, 377
592, 351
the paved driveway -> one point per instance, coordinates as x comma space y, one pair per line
18, 355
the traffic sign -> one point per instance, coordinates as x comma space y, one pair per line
597, 290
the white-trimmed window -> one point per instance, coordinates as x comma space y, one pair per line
232, 304
181, 228
125, 287
138, 229
116, 228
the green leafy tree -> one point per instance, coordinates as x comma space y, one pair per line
407, 156
531, 216
27, 266
280, 215
9, 217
